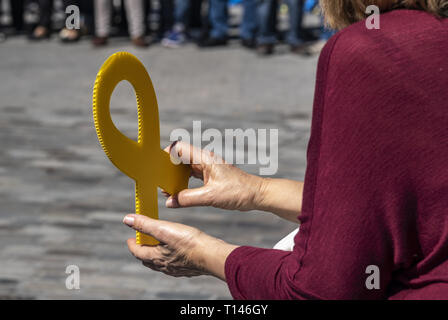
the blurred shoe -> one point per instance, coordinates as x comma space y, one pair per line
315, 48
68, 36
174, 39
213, 42
300, 49
100, 41
140, 42
2, 37
248, 43
39, 33
265, 49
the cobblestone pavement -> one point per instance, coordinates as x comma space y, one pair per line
62, 201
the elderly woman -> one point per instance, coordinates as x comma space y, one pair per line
375, 196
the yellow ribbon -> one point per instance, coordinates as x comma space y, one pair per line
144, 161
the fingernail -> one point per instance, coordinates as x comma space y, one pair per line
129, 220
173, 144
171, 203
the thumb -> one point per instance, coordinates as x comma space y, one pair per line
190, 198
164, 231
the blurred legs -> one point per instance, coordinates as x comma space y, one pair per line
218, 18
136, 20
103, 10
267, 21
295, 33
249, 24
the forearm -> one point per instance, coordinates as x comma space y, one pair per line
280, 196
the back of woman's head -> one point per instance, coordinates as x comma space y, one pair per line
341, 13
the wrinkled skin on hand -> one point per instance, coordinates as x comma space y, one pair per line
177, 255
225, 186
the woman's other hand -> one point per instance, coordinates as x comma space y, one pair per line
183, 251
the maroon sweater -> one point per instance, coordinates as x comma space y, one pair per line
376, 186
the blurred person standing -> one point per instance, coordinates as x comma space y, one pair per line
267, 21
325, 34
2, 34
317, 46
44, 27
249, 25
177, 35
17, 8
135, 16
218, 15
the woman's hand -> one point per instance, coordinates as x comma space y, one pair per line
183, 252
225, 186
228, 187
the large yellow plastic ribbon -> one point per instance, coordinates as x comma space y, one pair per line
144, 161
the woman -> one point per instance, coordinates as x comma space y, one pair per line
375, 196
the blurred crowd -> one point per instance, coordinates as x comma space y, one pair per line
209, 23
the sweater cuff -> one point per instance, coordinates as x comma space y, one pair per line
231, 266
251, 273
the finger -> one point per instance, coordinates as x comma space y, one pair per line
166, 194
190, 198
165, 270
189, 154
150, 265
144, 253
174, 156
171, 202
168, 148
186, 155
164, 231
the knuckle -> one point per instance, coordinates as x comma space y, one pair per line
162, 233
138, 223
208, 197
141, 224
137, 254
151, 257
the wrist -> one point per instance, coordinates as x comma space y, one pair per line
212, 254
261, 193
